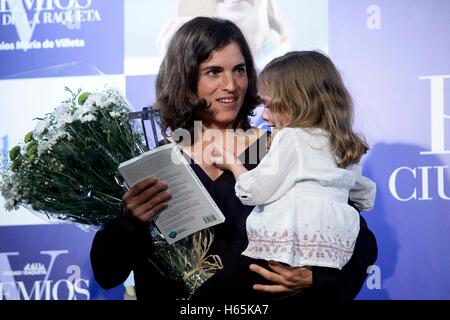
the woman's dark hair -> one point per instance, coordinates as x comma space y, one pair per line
176, 83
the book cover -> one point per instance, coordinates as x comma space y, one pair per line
191, 208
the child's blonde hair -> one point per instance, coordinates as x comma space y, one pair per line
307, 87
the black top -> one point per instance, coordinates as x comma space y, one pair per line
230, 237
124, 245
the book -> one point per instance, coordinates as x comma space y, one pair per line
191, 208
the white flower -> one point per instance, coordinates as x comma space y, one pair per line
110, 102
47, 145
8, 189
95, 99
63, 119
58, 135
114, 114
11, 204
82, 110
88, 118
61, 109
43, 147
5, 183
40, 127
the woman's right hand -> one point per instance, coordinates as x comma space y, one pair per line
146, 198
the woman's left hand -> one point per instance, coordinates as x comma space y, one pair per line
286, 279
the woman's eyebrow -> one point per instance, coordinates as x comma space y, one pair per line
211, 68
240, 65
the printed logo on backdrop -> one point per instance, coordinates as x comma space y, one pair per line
36, 280
15, 12
373, 281
432, 176
39, 34
373, 21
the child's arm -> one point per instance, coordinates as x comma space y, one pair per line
363, 192
237, 170
227, 161
276, 173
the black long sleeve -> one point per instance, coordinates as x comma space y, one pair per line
365, 254
122, 246
115, 251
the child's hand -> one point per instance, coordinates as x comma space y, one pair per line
227, 161
223, 159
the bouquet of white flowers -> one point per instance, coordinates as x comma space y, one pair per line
67, 167
67, 171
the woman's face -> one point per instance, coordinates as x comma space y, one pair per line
222, 83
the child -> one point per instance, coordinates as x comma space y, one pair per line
302, 187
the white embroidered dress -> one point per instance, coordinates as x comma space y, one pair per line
302, 216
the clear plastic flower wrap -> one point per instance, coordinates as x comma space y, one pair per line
187, 258
66, 171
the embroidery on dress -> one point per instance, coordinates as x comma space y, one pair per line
308, 246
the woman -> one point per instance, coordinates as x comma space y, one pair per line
208, 74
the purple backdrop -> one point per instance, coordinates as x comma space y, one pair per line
384, 50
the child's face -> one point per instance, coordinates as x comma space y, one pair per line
276, 120
267, 114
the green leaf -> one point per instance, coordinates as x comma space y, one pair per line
33, 149
14, 153
28, 137
31, 145
83, 97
